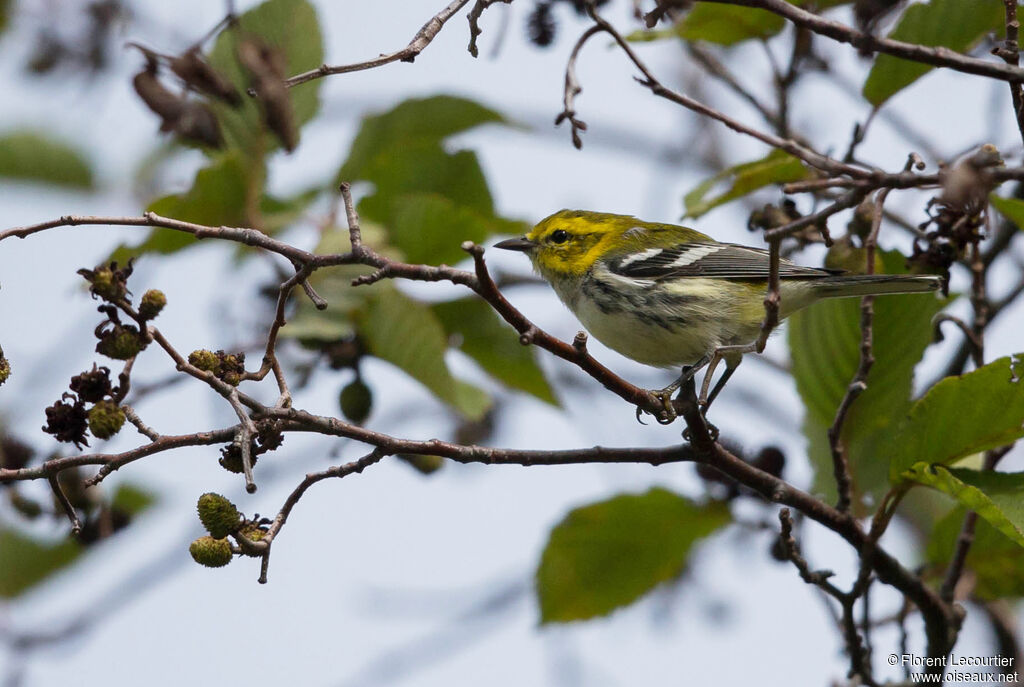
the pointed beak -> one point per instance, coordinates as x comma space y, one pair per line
521, 244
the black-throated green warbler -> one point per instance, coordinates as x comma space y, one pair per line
669, 296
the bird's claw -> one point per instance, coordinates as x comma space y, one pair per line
712, 432
668, 413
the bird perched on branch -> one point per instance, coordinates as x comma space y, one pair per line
669, 296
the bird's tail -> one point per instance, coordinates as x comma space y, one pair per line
845, 286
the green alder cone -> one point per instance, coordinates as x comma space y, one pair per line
153, 301
356, 401
105, 419
218, 515
120, 343
210, 552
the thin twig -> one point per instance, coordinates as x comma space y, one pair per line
1009, 51
419, 42
62, 498
573, 89
143, 428
859, 383
937, 56
474, 22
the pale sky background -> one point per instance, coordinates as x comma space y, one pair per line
389, 578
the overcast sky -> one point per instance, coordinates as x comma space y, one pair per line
387, 577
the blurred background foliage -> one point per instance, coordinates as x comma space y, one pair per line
421, 195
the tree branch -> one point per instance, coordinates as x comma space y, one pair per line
419, 42
937, 56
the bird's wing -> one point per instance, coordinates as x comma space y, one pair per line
718, 260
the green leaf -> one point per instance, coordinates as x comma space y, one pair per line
407, 334
430, 228
1010, 208
727, 24
962, 415
292, 27
429, 200
953, 24
779, 167
280, 213
217, 198
494, 345
132, 499
428, 120
611, 553
423, 166
29, 561
824, 343
36, 157
995, 560
998, 497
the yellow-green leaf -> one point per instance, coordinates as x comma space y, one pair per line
29, 561
429, 120
962, 415
37, 157
430, 228
995, 560
217, 198
407, 334
953, 24
290, 26
998, 497
727, 24
611, 553
824, 344
494, 345
1010, 208
779, 167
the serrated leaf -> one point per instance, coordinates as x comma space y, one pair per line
37, 157
217, 198
824, 343
1010, 208
779, 167
953, 24
998, 497
727, 24
609, 554
962, 415
29, 561
429, 120
996, 562
407, 334
430, 228
290, 26
494, 345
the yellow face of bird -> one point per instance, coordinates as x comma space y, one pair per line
569, 242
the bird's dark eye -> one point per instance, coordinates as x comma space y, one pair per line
559, 236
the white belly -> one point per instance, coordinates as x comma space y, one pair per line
662, 324
643, 341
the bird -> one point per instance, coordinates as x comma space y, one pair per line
669, 296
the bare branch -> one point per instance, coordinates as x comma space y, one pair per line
475, 13
419, 42
937, 56
62, 498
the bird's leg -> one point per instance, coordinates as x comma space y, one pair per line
733, 356
665, 395
730, 367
